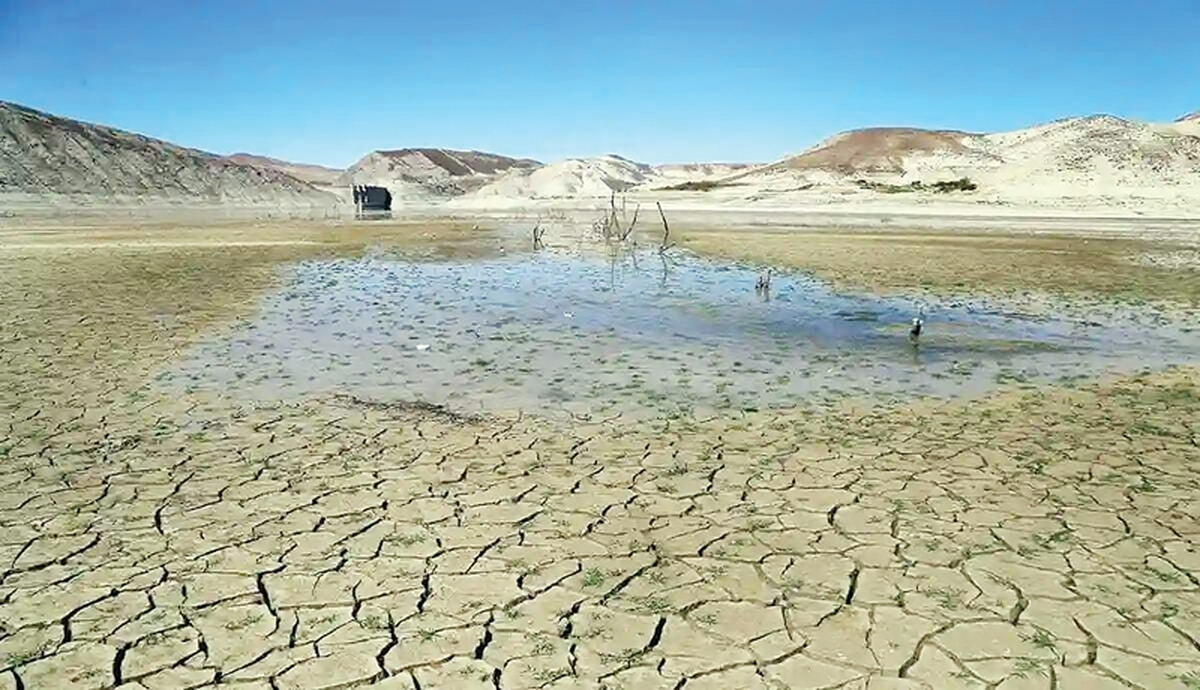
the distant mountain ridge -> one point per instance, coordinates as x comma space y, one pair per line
1097, 156
41, 153
312, 174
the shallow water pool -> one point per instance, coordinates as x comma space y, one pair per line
640, 334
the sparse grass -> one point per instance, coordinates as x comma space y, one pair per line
244, 622
966, 677
168, 281
18, 659
374, 622
546, 676
655, 605
1025, 666
89, 674
959, 263
593, 577
411, 539
1040, 639
542, 644
679, 469
942, 186
962, 184
625, 657
946, 597
1189, 680
698, 186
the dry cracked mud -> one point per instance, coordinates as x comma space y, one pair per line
1035, 539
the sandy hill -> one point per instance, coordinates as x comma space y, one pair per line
312, 174
882, 150
427, 171
43, 154
1099, 145
571, 178
1099, 156
700, 171
1190, 117
697, 172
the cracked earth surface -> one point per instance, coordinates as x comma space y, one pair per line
1035, 539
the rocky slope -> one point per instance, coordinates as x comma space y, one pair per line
43, 154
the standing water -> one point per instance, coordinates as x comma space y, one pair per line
551, 332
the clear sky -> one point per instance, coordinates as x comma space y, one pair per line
325, 81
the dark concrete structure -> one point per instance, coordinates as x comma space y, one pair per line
372, 200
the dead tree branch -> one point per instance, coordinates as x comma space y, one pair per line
612, 211
538, 233
666, 240
633, 223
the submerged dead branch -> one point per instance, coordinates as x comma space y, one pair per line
633, 223
666, 240
538, 233
615, 225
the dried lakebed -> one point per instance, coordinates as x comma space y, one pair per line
1040, 538
557, 332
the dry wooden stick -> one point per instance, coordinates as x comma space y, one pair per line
612, 213
666, 230
629, 230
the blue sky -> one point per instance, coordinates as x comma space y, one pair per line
656, 81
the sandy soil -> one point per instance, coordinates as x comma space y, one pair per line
1035, 539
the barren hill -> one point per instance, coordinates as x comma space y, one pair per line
1097, 156
1100, 144
312, 174
434, 171
698, 172
1190, 117
44, 154
571, 178
881, 150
